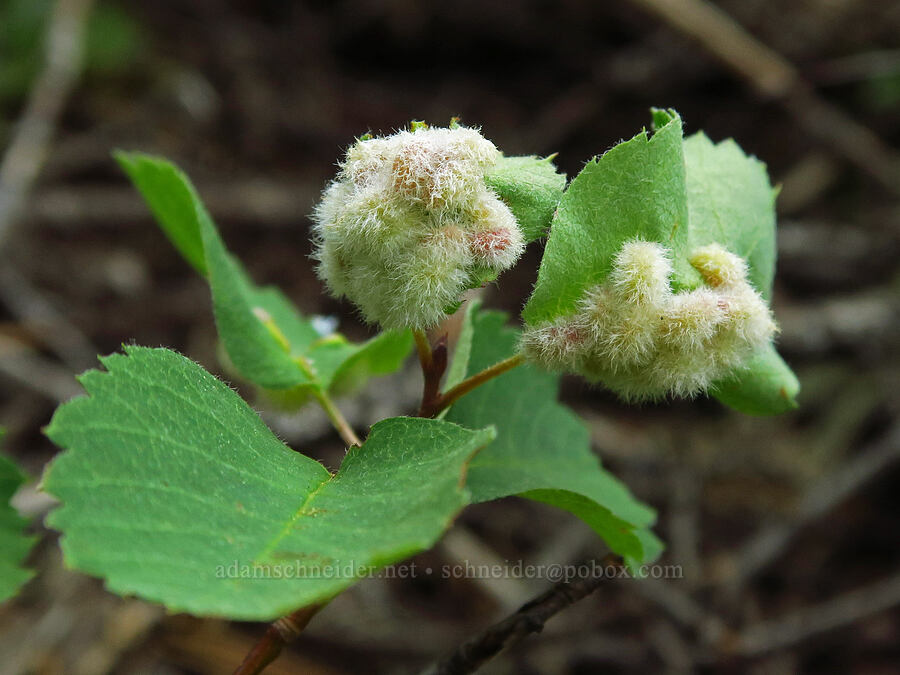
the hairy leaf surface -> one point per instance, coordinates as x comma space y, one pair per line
731, 202
531, 187
636, 189
683, 194
173, 489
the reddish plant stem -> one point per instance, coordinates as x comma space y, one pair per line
434, 363
433, 359
450, 397
277, 635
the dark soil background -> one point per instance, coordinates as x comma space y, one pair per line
785, 528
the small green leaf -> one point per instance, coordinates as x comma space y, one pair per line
636, 189
531, 188
173, 489
379, 355
542, 449
14, 545
267, 340
459, 364
731, 202
243, 314
767, 386
640, 188
456, 373
173, 201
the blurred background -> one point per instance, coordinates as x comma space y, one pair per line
785, 528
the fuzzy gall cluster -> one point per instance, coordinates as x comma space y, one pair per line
637, 337
409, 224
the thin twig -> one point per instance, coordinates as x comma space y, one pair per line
769, 543
340, 423
455, 393
775, 77
41, 317
530, 618
811, 621
30, 142
279, 633
725, 38
38, 373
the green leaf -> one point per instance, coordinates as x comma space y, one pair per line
531, 188
173, 489
14, 545
244, 316
379, 355
173, 201
767, 386
682, 194
731, 202
459, 365
542, 449
636, 189
267, 340
660, 117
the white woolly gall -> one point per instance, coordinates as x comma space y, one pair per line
718, 267
630, 338
409, 224
597, 313
365, 160
643, 341
437, 167
748, 324
691, 318
495, 238
555, 345
640, 272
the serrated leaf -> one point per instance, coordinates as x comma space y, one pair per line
531, 187
14, 545
173, 489
636, 189
267, 340
715, 192
542, 450
767, 386
731, 202
660, 117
